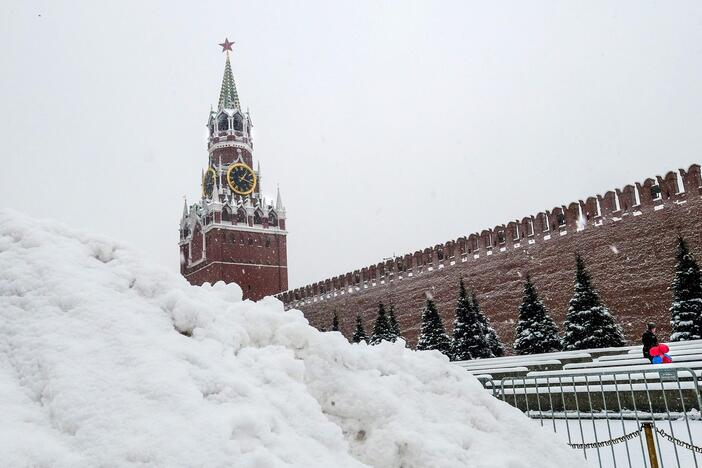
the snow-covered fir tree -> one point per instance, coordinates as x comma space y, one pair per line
359, 333
394, 326
686, 310
464, 333
432, 334
335, 321
536, 331
382, 330
491, 338
588, 323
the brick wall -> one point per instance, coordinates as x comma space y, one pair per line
257, 261
627, 238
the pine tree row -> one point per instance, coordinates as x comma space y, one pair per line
588, 323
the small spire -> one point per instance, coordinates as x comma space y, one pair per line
258, 176
185, 206
279, 200
228, 97
202, 178
215, 191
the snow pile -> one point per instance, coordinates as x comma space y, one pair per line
106, 360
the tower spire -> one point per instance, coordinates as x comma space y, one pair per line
228, 97
279, 200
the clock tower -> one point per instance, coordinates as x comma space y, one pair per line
233, 234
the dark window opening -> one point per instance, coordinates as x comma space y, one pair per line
561, 219
238, 125
268, 242
241, 216
656, 192
500, 237
223, 122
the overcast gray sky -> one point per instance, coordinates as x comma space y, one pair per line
390, 126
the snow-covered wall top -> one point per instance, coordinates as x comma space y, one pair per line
632, 200
106, 360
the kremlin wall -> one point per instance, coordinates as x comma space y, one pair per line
626, 236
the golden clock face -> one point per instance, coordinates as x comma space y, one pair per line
241, 179
208, 182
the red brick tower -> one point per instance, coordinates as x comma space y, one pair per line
232, 234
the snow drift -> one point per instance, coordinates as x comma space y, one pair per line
106, 360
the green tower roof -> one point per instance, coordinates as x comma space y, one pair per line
228, 97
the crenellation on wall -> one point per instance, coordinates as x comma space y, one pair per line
572, 215
590, 209
548, 225
627, 199
669, 186
692, 180
646, 197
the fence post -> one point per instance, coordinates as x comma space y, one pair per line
650, 443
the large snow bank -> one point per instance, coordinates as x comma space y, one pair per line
94, 372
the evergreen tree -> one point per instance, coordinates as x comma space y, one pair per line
588, 323
464, 328
536, 331
686, 310
432, 334
382, 330
359, 334
394, 326
335, 321
491, 338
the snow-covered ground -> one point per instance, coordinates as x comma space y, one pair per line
106, 360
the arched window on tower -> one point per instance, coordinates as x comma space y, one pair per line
222, 122
238, 123
257, 217
226, 214
272, 220
241, 216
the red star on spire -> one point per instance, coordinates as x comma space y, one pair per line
226, 45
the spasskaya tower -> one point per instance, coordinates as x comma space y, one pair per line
233, 234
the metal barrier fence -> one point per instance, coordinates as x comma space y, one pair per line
604, 412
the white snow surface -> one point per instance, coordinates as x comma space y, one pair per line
94, 372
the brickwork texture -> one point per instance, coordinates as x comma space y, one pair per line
626, 236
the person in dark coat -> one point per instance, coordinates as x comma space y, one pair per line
649, 340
